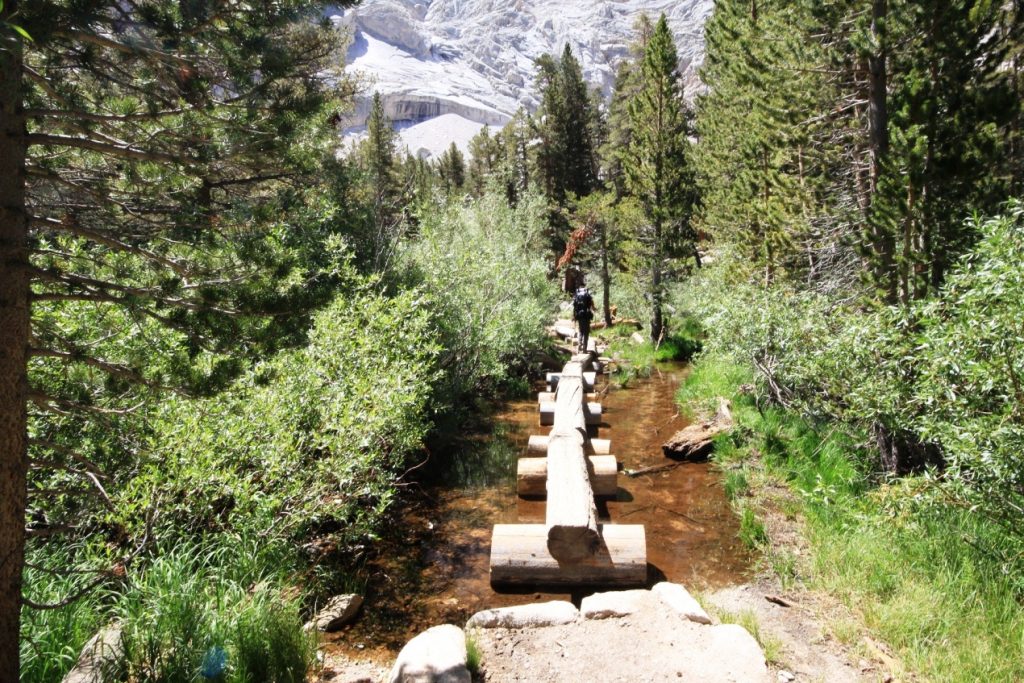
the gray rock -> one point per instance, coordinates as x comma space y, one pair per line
438, 655
734, 648
680, 600
339, 610
613, 604
551, 613
102, 649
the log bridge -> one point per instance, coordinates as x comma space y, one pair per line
571, 548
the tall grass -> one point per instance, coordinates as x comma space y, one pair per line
51, 639
915, 571
219, 612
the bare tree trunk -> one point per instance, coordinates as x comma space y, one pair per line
878, 139
606, 284
657, 323
14, 333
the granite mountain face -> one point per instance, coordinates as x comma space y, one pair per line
446, 68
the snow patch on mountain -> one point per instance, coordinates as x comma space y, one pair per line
471, 62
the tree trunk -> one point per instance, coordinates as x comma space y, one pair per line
883, 243
606, 284
14, 333
657, 323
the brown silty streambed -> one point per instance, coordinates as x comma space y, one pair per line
434, 568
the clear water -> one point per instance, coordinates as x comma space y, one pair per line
433, 567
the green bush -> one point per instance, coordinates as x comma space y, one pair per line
483, 261
309, 440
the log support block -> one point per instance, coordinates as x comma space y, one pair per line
519, 556
532, 475
592, 414
549, 396
538, 446
589, 378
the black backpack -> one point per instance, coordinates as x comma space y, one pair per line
581, 305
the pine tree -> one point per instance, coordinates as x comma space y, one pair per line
377, 155
514, 164
452, 169
575, 126
484, 158
566, 159
618, 130
758, 153
147, 153
657, 165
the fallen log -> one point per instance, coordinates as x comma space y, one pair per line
694, 441
538, 446
532, 475
519, 556
624, 322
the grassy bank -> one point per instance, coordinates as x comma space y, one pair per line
913, 571
637, 360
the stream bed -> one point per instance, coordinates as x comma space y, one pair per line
433, 567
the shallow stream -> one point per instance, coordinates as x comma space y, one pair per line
434, 568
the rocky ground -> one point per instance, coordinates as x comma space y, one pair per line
643, 639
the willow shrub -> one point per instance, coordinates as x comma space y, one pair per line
484, 263
312, 438
948, 371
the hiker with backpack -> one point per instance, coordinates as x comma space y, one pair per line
583, 313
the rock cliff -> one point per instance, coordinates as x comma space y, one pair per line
472, 61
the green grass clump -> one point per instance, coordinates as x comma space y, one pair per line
735, 483
474, 656
194, 612
213, 614
752, 531
682, 345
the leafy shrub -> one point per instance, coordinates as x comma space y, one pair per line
312, 438
939, 376
492, 295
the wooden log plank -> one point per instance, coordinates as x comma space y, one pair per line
570, 414
519, 556
538, 446
591, 415
532, 475
586, 358
571, 517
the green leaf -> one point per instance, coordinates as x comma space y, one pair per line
20, 31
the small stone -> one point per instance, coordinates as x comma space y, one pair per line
551, 613
612, 604
339, 610
786, 677
438, 655
679, 599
